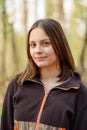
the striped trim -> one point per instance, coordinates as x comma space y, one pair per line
24, 125
16, 125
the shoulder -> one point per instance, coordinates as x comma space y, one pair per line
83, 89
12, 85
82, 95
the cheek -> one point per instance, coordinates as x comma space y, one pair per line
51, 52
31, 52
53, 55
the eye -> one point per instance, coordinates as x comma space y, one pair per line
45, 43
32, 45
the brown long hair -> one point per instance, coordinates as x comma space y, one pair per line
60, 45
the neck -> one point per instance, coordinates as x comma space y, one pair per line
49, 74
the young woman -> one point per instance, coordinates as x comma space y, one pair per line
49, 94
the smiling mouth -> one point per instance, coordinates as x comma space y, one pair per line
40, 58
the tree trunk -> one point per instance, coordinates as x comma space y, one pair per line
14, 48
4, 20
60, 11
82, 58
25, 16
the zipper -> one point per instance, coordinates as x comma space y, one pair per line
41, 109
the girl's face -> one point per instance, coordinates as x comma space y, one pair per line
41, 49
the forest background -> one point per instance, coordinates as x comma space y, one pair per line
16, 16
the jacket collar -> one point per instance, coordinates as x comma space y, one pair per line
71, 83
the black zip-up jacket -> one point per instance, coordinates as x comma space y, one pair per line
29, 107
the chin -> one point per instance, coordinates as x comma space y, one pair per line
41, 66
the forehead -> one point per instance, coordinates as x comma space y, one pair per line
38, 33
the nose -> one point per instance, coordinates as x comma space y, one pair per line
38, 49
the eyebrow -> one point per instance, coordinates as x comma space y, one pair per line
41, 40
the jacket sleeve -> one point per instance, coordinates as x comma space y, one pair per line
80, 122
8, 109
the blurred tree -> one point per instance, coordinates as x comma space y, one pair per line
8, 30
81, 15
12, 39
54, 9
35, 11
83, 52
60, 11
4, 30
25, 13
49, 8
78, 36
14, 48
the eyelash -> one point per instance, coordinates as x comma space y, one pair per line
32, 45
43, 44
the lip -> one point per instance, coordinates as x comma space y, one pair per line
39, 58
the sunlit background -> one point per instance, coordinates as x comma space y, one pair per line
16, 17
